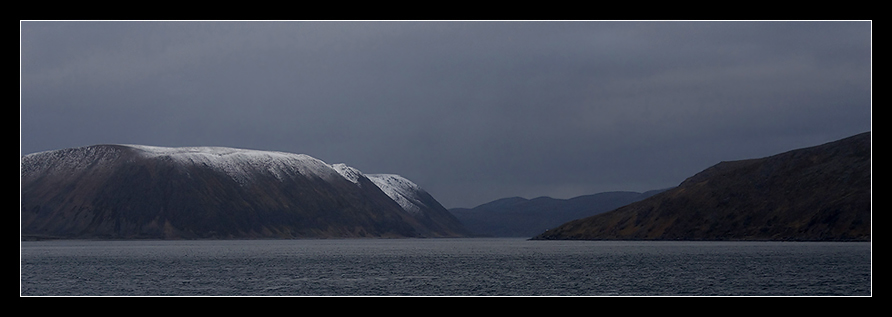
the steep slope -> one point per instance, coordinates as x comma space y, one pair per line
816, 193
420, 204
520, 217
132, 191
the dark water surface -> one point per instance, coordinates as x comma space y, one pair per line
444, 267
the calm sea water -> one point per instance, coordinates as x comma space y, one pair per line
443, 267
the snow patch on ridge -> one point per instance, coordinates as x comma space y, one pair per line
69, 161
241, 164
400, 189
350, 173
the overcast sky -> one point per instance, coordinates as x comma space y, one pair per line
471, 111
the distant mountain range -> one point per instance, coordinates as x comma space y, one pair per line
520, 217
820, 193
133, 191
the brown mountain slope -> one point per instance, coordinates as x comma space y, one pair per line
816, 193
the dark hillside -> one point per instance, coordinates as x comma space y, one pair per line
816, 193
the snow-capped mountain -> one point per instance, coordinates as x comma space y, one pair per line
137, 191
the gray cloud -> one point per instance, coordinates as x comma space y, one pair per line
472, 111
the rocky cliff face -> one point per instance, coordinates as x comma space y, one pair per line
126, 191
816, 193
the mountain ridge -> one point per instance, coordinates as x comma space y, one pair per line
819, 193
521, 217
135, 191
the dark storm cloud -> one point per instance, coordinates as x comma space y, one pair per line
472, 111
